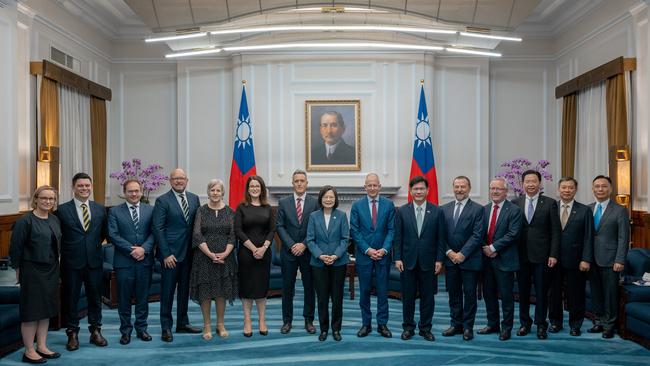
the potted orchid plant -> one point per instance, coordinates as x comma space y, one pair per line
150, 177
512, 170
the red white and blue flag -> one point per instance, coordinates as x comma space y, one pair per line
243, 156
423, 163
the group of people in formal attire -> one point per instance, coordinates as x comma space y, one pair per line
212, 253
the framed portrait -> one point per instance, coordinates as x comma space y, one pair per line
333, 138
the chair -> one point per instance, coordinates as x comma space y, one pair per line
634, 310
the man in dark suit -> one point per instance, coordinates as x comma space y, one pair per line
464, 219
173, 220
576, 256
502, 228
333, 150
420, 245
372, 221
611, 242
83, 227
129, 229
539, 249
291, 224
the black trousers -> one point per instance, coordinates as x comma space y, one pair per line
133, 282
538, 275
175, 280
416, 281
72, 279
289, 272
497, 281
573, 281
328, 282
604, 295
461, 286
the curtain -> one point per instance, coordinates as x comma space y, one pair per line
98, 133
76, 155
616, 111
49, 112
569, 125
592, 149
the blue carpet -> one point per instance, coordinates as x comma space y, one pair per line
298, 347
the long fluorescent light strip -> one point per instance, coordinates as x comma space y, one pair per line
490, 36
472, 52
173, 38
194, 53
334, 45
281, 28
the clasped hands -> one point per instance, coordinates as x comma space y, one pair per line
298, 249
137, 253
488, 252
328, 259
376, 254
219, 258
456, 257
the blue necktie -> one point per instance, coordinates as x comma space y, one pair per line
457, 213
598, 215
531, 210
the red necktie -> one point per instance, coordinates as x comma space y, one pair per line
374, 213
493, 224
299, 210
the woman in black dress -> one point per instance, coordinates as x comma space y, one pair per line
214, 269
34, 251
255, 228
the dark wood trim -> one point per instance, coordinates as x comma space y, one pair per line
69, 78
601, 73
6, 222
640, 233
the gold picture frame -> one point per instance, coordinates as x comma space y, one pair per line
344, 150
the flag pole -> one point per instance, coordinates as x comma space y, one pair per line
421, 82
243, 82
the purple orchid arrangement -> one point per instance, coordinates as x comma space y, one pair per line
512, 170
150, 177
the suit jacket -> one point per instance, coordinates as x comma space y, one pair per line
344, 154
78, 247
612, 238
577, 243
506, 235
467, 235
287, 226
29, 243
331, 240
172, 233
122, 233
426, 248
365, 236
541, 238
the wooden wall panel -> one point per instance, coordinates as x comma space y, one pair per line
640, 235
6, 222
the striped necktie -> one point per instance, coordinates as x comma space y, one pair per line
85, 216
186, 209
134, 216
299, 210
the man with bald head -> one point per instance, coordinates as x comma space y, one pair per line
173, 220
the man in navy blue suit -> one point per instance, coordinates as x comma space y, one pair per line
129, 229
501, 228
83, 227
420, 245
291, 224
173, 221
372, 221
464, 259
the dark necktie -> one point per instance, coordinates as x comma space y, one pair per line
374, 213
299, 210
85, 215
493, 224
186, 209
457, 213
134, 216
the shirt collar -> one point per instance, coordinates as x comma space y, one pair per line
534, 198
295, 196
78, 203
370, 199
604, 204
570, 203
423, 205
463, 202
178, 194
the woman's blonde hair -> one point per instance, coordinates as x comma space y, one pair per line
37, 193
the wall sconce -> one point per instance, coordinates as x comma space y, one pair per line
47, 167
622, 165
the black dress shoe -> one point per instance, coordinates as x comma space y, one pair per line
97, 338
541, 333
504, 336
144, 336
167, 336
322, 336
407, 334
50, 356
248, 335
575, 332
488, 330
523, 331
364, 331
286, 328
383, 330
554, 328
468, 335
264, 332
595, 329
608, 333
188, 329
426, 334
309, 327
29, 360
452, 331
336, 335
73, 341
125, 339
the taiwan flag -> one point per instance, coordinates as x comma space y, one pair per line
422, 162
243, 156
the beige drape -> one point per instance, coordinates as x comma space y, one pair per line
569, 124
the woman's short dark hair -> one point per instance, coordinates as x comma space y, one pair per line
324, 190
247, 196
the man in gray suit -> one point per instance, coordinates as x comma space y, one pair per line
129, 228
611, 241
